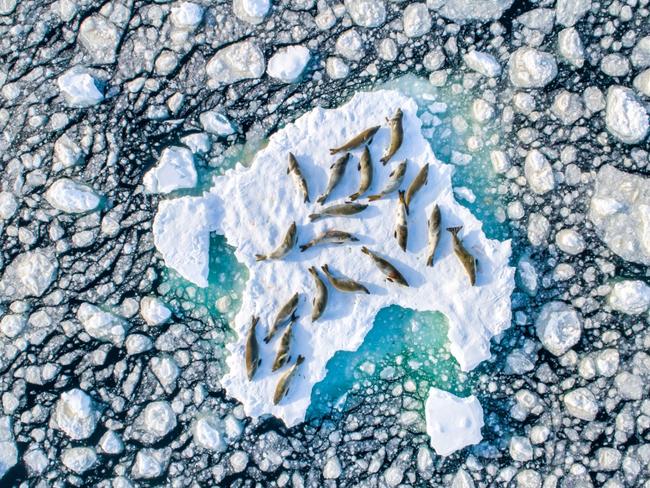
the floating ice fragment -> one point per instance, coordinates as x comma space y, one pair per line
29, 274
72, 197
620, 211
216, 123
559, 327
350, 45
76, 414
530, 68
186, 15
79, 459
239, 61
8, 449
79, 88
288, 63
417, 20
366, 13
464, 10
568, 12
570, 47
99, 36
154, 311
101, 325
539, 172
631, 297
483, 63
174, 171
582, 404
452, 422
626, 118
251, 11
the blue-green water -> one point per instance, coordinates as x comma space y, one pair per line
403, 345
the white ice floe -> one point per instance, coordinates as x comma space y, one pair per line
216, 123
174, 171
465, 10
288, 63
581, 403
530, 68
181, 231
367, 13
539, 172
251, 11
570, 47
568, 12
483, 63
72, 197
620, 212
452, 422
569, 241
79, 88
350, 45
631, 297
417, 20
154, 311
79, 459
186, 15
559, 327
8, 448
8, 205
75, 414
66, 153
99, 36
239, 61
29, 274
253, 207
102, 325
626, 118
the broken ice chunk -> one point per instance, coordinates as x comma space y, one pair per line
175, 170
79, 88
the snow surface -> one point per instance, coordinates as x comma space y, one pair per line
452, 422
288, 63
254, 219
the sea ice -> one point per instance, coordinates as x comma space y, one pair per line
101, 325
184, 247
530, 68
570, 46
252, 225
99, 36
452, 422
626, 117
8, 449
288, 63
29, 274
154, 311
174, 171
216, 123
559, 327
464, 10
75, 414
620, 212
631, 297
538, 172
417, 20
72, 197
366, 13
239, 61
251, 11
79, 459
186, 15
483, 63
568, 12
79, 88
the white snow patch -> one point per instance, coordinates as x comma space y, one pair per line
72, 197
253, 219
175, 170
288, 63
79, 88
452, 422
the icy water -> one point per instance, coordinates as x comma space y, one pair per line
402, 342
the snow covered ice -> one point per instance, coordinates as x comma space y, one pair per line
252, 225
